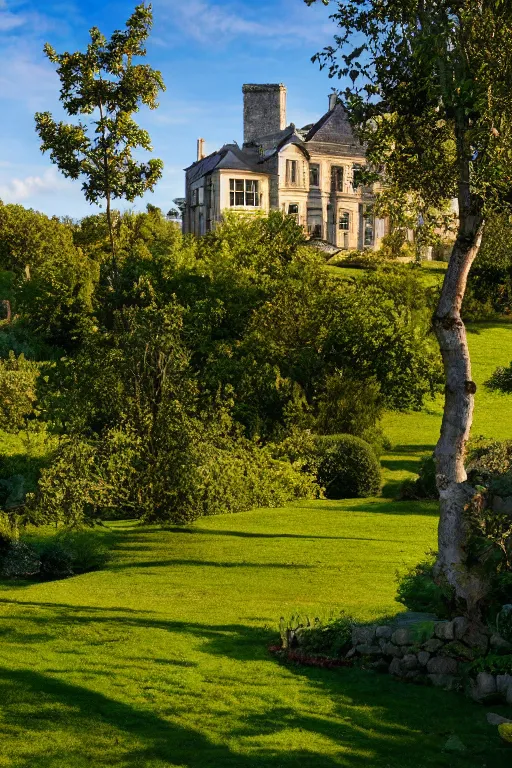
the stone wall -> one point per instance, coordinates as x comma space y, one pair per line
435, 653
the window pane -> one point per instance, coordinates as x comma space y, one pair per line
239, 198
239, 185
232, 185
293, 208
249, 198
337, 178
344, 222
231, 198
314, 175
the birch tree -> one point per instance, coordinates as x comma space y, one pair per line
431, 96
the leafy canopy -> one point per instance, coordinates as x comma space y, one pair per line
431, 91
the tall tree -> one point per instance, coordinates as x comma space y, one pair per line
431, 96
105, 88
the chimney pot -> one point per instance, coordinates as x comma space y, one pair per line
333, 100
200, 149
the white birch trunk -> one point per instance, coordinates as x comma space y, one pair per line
455, 492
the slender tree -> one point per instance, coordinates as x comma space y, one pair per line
104, 87
431, 96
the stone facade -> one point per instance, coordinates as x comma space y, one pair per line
308, 173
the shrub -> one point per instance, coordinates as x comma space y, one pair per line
330, 638
20, 561
71, 552
56, 560
323, 638
488, 459
418, 591
347, 468
493, 663
425, 487
501, 380
348, 406
504, 622
17, 391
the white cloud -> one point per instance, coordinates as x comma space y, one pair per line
17, 190
217, 22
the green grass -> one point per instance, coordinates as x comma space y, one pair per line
432, 272
414, 435
161, 660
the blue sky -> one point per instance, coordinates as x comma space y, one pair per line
205, 49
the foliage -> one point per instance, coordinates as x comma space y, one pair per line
488, 460
367, 259
425, 486
408, 212
348, 405
53, 280
70, 552
326, 638
501, 380
418, 590
142, 443
17, 392
19, 561
54, 556
347, 468
105, 88
493, 664
489, 291
504, 620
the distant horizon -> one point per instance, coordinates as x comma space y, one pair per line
206, 50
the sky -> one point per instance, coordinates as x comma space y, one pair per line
205, 49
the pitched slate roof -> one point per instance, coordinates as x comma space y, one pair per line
334, 128
230, 156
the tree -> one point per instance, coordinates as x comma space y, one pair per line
407, 213
105, 87
431, 96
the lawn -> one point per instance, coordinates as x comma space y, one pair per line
161, 660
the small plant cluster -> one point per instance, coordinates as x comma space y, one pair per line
317, 638
424, 487
419, 591
55, 557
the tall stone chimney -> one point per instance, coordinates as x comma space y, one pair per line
333, 100
264, 110
200, 149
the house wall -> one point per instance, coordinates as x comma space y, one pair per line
320, 205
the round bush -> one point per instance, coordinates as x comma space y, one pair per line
347, 468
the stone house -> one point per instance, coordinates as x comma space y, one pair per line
307, 173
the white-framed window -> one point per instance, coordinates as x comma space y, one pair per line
337, 178
344, 221
244, 192
291, 172
314, 175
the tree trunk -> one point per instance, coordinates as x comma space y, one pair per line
111, 235
454, 490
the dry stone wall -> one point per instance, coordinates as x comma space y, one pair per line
439, 657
